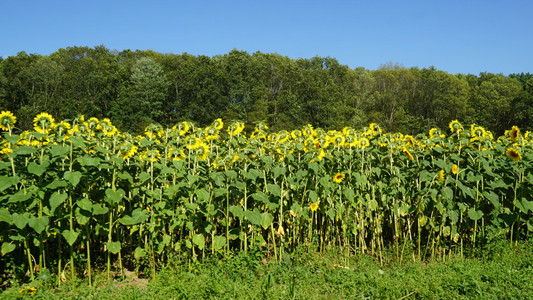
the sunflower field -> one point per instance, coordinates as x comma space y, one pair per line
79, 194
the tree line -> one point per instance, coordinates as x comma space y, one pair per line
136, 88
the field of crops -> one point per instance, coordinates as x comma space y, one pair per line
78, 194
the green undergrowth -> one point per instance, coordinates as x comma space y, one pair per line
500, 272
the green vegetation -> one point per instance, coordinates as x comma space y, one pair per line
503, 272
136, 88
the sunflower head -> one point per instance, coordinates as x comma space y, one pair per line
339, 177
441, 175
455, 169
513, 154
7, 120
218, 124
43, 122
313, 206
455, 126
514, 134
363, 143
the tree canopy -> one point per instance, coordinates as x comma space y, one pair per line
135, 88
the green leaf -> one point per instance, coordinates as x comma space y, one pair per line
139, 253
20, 196
202, 194
88, 161
313, 196
447, 193
138, 216
56, 200
7, 247
274, 189
493, 198
114, 197
37, 169
25, 150
72, 177
8, 181
373, 204
70, 236
261, 197
279, 171
253, 216
474, 214
58, 150
38, 224
113, 247
220, 192
57, 183
85, 204
199, 241
236, 211
20, 220
219, 242
349, 194
231, 174
266, 220
5, 216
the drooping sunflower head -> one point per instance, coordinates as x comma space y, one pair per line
127, 150
513, 154
375, 128
296, 134
202, 152
455, 126
192, 142
339, 177
181, 128
455, 169
441, 175
363, 143
235, 128
7, 120
176, 154
150, 155
408, 153
43, 122
218, 124
514, 134
477, 131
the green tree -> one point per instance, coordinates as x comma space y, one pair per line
141, 102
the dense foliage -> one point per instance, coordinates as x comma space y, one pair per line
79, 193
136, 88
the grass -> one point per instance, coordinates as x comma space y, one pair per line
502, 272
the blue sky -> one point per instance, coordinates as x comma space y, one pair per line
464, 36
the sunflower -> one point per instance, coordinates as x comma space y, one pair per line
513, 154
7, 120
182, 128
151, 155
218, 124
127, 150
175, 154
514, 134
477, 131
375, 128
296, 134
314, 206
455, 169
235, 128
441, 175
192, 142
407, 153
202, 151
363, 143
339, 177
455, 126
43, 122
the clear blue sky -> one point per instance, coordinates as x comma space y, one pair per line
457, 36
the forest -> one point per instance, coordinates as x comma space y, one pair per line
137, 88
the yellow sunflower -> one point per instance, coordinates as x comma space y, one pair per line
363, 143
218, 124
514, 134
455, 126
513, 154
314, 206
441, 175
455, 169
339, 177
43, 122
7, 120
